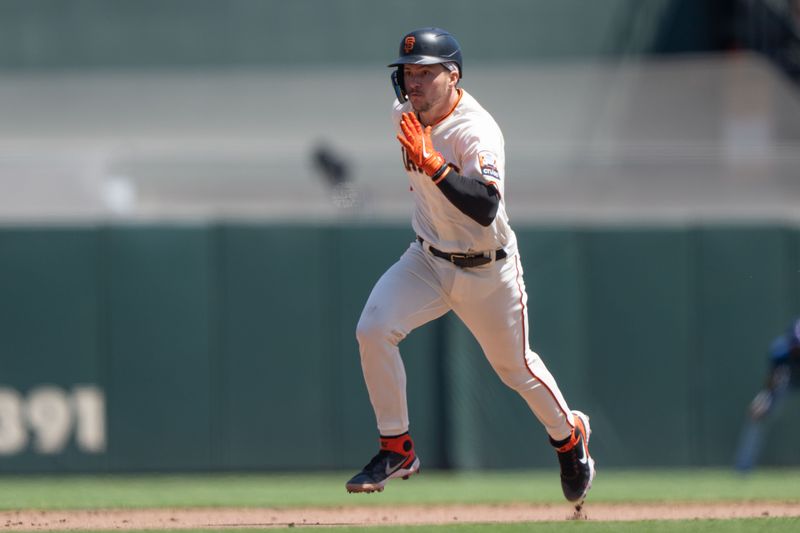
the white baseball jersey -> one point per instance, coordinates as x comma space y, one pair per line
470, 140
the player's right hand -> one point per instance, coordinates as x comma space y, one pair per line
418, 145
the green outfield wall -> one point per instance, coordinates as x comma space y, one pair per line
228, 346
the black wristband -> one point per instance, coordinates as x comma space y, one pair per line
439, 172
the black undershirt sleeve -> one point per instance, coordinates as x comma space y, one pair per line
474, 198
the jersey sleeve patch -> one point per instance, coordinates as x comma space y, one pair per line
488, 162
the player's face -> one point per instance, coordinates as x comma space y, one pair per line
427, 86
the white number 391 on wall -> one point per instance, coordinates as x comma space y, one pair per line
47, 416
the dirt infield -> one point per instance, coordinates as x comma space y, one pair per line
371, 516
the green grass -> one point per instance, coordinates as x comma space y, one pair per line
298, 490
772, 525
749, 525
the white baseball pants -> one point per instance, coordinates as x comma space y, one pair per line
490, 300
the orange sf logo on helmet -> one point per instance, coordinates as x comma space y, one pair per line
409, 44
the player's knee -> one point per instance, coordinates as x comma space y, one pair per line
368, 330
372, 330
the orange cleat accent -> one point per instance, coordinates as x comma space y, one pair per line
395, 459
577, 465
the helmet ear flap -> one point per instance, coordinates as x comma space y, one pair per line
398, 83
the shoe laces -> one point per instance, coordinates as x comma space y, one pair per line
379, 459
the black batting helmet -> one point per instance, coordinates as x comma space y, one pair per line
426, 46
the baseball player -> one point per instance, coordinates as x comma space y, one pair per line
464, 259
784, 374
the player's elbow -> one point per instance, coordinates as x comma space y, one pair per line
486, 221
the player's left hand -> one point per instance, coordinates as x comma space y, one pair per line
418, 145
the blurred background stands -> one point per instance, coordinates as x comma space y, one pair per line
656, 109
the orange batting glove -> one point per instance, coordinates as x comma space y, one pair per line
418, 145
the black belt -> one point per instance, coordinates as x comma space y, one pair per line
466, 260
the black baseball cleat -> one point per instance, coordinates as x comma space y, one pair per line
577, 466
396, 459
